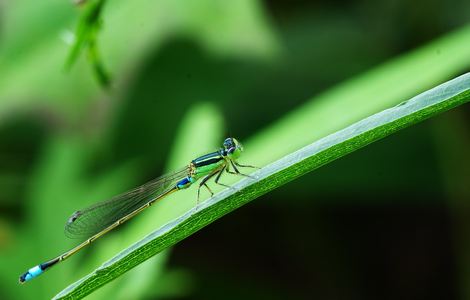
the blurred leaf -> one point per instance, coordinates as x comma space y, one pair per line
145, 25
315, 155
365, 94
86, 35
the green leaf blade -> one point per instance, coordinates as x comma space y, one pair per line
298, 163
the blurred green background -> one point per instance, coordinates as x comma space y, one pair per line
387, 222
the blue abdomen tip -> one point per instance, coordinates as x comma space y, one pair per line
33, 272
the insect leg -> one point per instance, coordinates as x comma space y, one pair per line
245, 166
203, 183
238, 172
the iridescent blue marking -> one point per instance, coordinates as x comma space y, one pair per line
185, 182
33, 272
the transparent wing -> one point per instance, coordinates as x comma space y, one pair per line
89, 221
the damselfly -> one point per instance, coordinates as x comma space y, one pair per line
95, 221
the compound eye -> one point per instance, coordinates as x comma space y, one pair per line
229, 144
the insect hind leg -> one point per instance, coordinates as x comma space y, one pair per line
204, 183
225, 168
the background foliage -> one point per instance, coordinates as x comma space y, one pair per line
386, 222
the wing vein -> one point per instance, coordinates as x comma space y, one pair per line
89, 221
